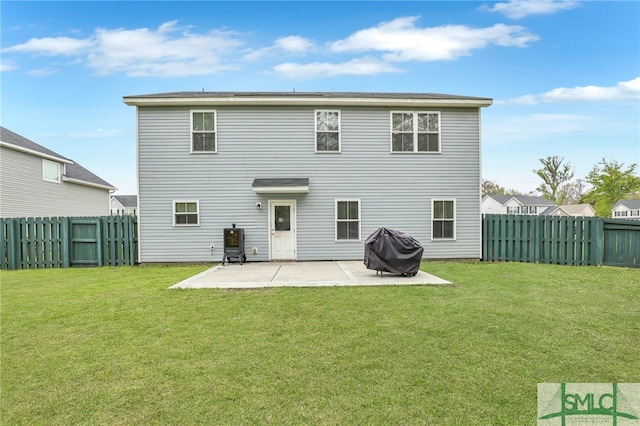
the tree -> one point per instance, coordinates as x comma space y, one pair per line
611, 184
574, 192
491, 188
554, 173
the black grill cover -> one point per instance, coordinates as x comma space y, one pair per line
392, 251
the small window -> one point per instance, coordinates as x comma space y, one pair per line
50, 171
203, 131
513, 210
186, 213
415, 132
347, 220
443, 220
327, 131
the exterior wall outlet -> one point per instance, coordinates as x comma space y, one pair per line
254, 250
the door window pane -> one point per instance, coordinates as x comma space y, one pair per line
282, 218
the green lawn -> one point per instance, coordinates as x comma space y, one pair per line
115, 346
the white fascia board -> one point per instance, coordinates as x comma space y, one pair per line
85, 183
314, 101
303, 189
35, 153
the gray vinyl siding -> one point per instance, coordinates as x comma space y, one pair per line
25, 194
395, 190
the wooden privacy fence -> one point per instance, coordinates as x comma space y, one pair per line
63, 242
561, 240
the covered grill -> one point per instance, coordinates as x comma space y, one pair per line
387, 250
234, 245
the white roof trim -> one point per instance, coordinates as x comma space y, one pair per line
84, 182
310, 100
36, 153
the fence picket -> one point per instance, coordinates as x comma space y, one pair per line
45, 242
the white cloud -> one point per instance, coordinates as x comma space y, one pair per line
404, 41
6, 65
42, 72
360, 66
621, 91
52, 46
516, 9
507, 130
289, 45
142, 51
294, 44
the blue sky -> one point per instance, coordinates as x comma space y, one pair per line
564, 75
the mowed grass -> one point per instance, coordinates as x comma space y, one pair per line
115, 346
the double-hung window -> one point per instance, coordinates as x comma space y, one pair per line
203, 132
443, 220
50, 171
327, 131
186, 213
347, 220
415, 131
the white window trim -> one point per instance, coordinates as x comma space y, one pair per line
315, 126
335, 219
215, 124
454, 220
415, 132
49, 162
173, 210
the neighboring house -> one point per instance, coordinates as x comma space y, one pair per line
124, 205
38, 182
576, 210
626, 209
308, 176
516, 204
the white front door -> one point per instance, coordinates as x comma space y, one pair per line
282, 226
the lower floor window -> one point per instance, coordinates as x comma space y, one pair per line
347, 220
443, 220
186, 213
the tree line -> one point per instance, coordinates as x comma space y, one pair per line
607, 183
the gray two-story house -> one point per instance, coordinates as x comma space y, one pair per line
38, 182
308, 176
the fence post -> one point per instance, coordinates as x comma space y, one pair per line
599, 242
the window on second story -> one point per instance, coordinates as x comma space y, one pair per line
50, 171
415, 132
203, 131
327, 131
620, 213
634, 212
513, 210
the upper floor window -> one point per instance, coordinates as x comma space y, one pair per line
443, 220
513, 210
415, 132
635, 212
50, 171
347, 220
203, 131
327, 131
186, 213
620, 213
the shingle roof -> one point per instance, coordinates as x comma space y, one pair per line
631, 204
528, 200
73, 170
389, 95
127, 200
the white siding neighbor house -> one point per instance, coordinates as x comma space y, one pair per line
308, 176
626, 209
516, 204
575, 210
37, 182
124, 205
